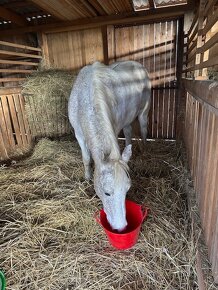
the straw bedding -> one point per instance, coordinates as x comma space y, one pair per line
50, 240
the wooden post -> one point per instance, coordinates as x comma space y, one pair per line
179, 68
105, 44
200, 56
42, 38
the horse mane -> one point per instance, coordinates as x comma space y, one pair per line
121, 169
104, 101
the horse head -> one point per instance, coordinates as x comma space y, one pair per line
112, 181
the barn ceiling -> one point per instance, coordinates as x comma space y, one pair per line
148, 4
26, 13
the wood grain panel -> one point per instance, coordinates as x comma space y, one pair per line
14, 129
153, 45
201, 139
74, 49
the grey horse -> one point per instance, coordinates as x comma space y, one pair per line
105, 100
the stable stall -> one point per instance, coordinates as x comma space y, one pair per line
49, 237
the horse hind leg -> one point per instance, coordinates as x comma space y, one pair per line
143, 122
86, 156
128, 134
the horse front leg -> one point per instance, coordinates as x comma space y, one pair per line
86, 156
128, 134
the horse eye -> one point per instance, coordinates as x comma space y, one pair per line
108, 194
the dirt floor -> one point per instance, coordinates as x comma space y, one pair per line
51, 241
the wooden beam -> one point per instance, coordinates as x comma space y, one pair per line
208, 63
209, 6
8, 91
15, 4
151, 3
19, 46
13, 53
211, 22
12, 16
97, 7
203, 91
105, 44
65, 10
160, 14
12, 62
179, 68
5, 80
9, 70
211, 42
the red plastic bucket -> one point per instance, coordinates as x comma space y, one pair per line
135, 215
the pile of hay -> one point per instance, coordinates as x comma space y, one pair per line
46, 95
50, 240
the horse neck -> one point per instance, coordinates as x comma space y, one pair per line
103, 103
106, 143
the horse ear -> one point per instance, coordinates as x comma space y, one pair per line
127, 153
106, 156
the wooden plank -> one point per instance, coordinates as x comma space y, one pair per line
105, 44
151, 4
155, 114
12, 16
9, 128
179, 67
171, 119
16, 98
211, 182
211, 42
22, 71
4, 80
14, 53
3, 151
205, 172
122, 18
65, 10
205, 90
209, 6
213, 19
43, 41
26, 47
158, 69
194, 34
24, 116
193, 45
15, 120
194, 23
150, 118
19, 62
111, 43
213, 243
8, 91
4, 129
199, 57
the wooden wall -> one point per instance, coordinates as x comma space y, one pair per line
15, 136
202, 39
19, 56
73, 49
201, 138
155, 46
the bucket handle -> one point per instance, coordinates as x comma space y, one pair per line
145, 211
96, 216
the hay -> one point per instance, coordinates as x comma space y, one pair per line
46, 94
50, 241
